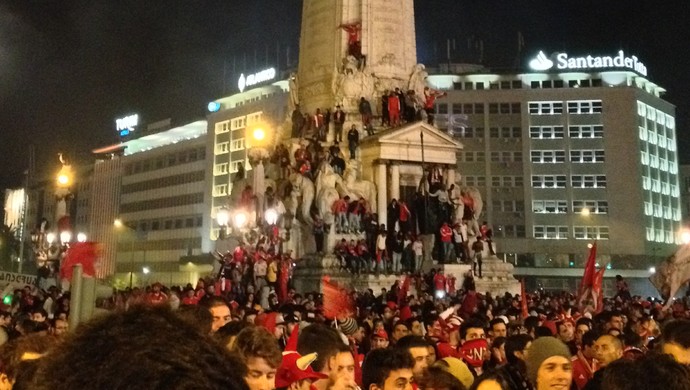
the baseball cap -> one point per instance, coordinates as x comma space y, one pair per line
380, 333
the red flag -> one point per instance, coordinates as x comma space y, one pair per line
598, 290
590, 270
523, 300
84, 253
336, 302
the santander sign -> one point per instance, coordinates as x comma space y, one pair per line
565, 62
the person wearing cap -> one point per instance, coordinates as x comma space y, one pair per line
388, 370
379, 339
295, 371
549, 365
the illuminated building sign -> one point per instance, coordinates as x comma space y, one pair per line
213, 107
564, 62
127, 124
256, 78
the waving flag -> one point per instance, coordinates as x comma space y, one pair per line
336, 301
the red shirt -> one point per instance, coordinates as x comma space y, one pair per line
583, 370
404, 212
446, 234
440, 282
446, 350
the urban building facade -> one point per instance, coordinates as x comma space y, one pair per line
566, 158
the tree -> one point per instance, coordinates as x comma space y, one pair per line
9, 246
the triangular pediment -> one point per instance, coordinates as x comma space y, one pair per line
410, 134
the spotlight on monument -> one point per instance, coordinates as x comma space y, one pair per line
271, 216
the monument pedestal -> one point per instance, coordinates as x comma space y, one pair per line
313, 267
497, 276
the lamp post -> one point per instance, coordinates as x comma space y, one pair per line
222, 219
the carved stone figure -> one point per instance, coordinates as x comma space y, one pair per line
327, 184
357, 188
294, 92
418, 80
301, 197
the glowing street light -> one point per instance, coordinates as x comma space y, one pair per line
223, 217
146, 270
240, 220
259, 134
118, 223
81, 237
271, 216
586, 212
65, 237
652, 270
50, 237
685, 236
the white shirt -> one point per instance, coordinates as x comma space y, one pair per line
417, 247
381, 242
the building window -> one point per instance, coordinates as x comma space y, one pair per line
546, 132
493, 108
547, 156
222, 148
591, 232
220, 169
588, 181
594, 131
238, 123
222, 127
235, 166
587, 156
584, 107
545, 108
551, 232
237, 144
475, 181
478, 108
550, 206
548, 181
593, 206
220, 190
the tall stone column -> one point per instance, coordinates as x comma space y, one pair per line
395, 181
382, 198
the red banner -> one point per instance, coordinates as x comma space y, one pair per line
336, 300
523, 300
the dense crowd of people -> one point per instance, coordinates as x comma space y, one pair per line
408, 336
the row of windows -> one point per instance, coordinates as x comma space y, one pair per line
506, 156
169, 160
558, 156
561, 206
510, 231
505, 132
238, 123
574, 107
577, 181
496, 181
191, 221
660, 186
657, 139
508, 206
163, 182
558, 132
173, 201
225, 168
651, 113
660, 211
657, 162
225, 147
478, 108
517, 84
551, 232
160, 245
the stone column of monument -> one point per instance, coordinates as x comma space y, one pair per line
387, 37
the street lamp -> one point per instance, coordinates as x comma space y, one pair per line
222, 218
65, 237
240, 220
118, 223
685, 236
259, 134
586, 212
146, 270
50, 238
271, 216
81, 237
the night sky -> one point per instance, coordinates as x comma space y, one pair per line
68, 68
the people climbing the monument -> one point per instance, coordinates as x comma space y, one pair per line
353, 141
354, 42
319, 123
477, 248
339, 209
366, 113
430, 96
447, 241
394, 109
338, 122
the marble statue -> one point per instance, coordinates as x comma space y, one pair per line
417, 81
301, 197
357, 188
327, 184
